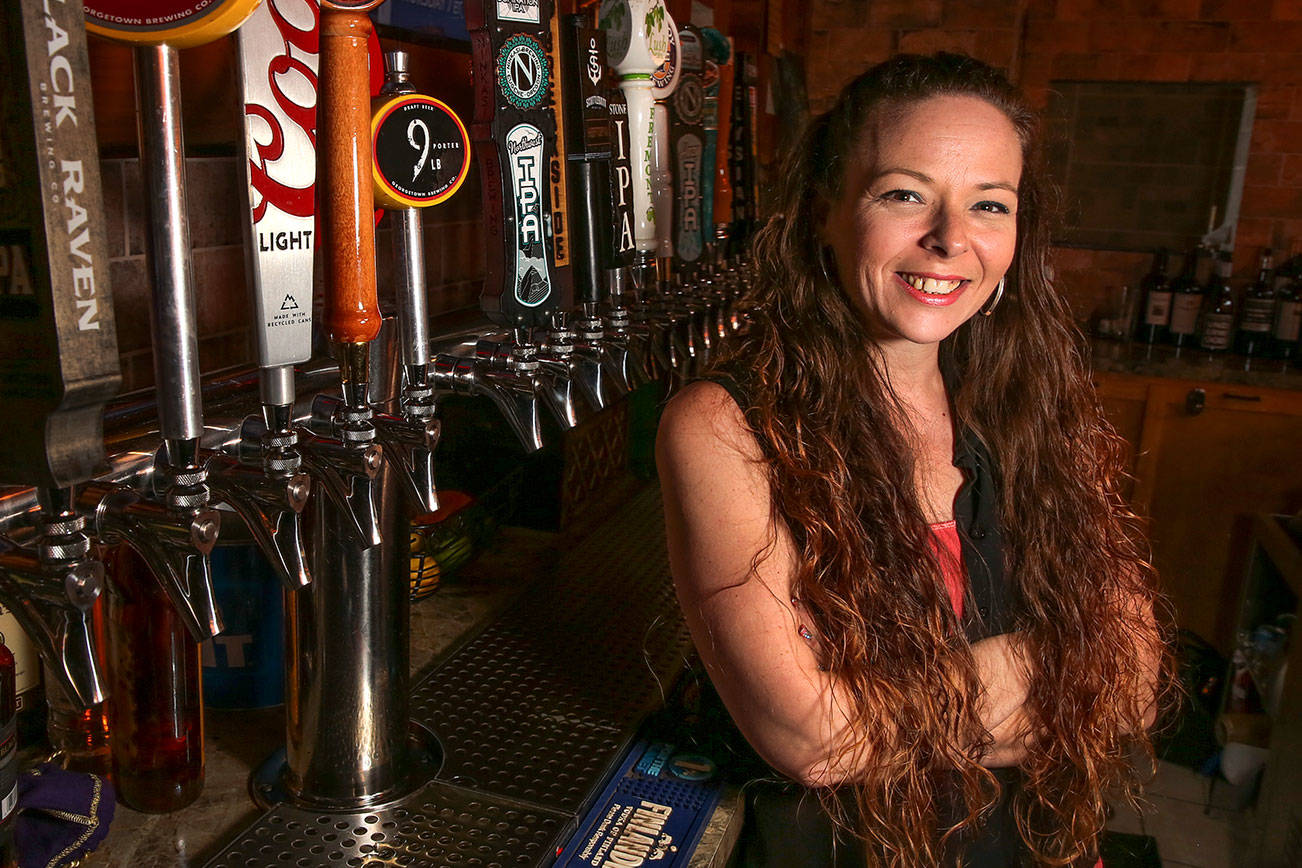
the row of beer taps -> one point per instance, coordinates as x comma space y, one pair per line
586, 360
171, 472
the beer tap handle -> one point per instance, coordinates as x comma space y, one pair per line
53, 608
422, 156
271, 508
347, 475
352, 311
172, 309
410, 295
174, 545
279, 202
516, 398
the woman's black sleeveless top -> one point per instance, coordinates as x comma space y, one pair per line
785, 824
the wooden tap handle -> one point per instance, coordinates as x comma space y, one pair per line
722, 183
352, 311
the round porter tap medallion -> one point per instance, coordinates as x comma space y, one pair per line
421, 152
178, 23
522, 72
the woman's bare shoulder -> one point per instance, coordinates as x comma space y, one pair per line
703, 418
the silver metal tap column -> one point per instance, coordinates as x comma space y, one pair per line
346, 671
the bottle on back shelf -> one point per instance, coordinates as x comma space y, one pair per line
1186, 302
1155, 315
1220, 308
1288, 309
1258, 315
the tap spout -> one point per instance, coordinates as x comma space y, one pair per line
53, 606
347, 473
516, 397
174, 544
408, 441
270, 507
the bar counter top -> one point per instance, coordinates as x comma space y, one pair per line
1162, 360
236, 742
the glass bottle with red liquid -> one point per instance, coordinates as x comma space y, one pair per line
8, 758
156, 696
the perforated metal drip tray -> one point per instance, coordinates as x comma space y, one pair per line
440, 825
532, 713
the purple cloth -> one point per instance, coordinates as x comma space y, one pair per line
62, 816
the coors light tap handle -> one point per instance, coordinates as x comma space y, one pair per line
515, 129
277, 59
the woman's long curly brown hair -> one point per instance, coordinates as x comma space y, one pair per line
841, 470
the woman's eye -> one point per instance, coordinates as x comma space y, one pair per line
993, 208
900, 196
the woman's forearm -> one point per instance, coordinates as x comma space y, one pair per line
1003, 678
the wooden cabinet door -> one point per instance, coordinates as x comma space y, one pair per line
1206, 464
1124, 401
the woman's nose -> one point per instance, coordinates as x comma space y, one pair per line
947, 235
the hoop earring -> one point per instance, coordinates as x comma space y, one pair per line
822, 265
999, 293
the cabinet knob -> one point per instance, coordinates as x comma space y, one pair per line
1195, 402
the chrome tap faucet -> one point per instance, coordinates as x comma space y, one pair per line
409, 440
270, 506
517, 356
516, 397
174, 541
51, 590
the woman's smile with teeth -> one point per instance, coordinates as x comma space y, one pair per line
930, 285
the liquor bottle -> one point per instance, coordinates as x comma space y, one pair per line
29, 687
1220, 308
1186, 302
1156, 300
1288, 309
1258, 315
8, 758
156, 709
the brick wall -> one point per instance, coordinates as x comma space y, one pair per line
1038, 41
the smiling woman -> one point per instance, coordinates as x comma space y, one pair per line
926, 223
894, 523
